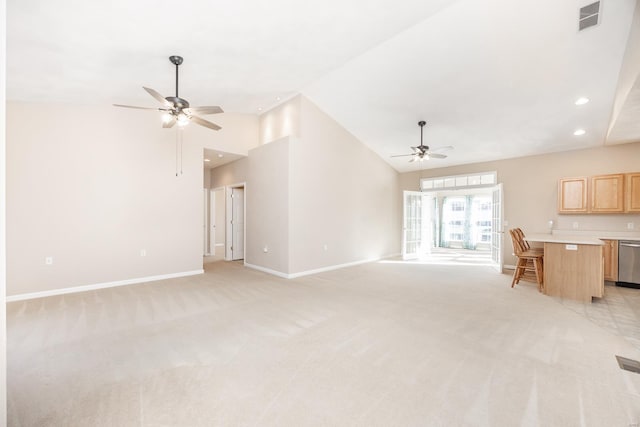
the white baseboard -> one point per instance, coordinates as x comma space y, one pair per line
62, 291
317, 270
267, 270
508, 267
332, 267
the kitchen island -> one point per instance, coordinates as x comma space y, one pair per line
573, 266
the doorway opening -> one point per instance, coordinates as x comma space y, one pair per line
454, 224
216, 224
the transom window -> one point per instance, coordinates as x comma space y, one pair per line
459, 181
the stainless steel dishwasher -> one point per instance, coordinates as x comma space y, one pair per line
629, 263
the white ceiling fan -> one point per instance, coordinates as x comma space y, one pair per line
176, 109
423, 152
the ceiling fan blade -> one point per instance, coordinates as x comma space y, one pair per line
170, 123
436, 155
204, 110
157, 96
205, 123
403, 155
137, 108
445, 148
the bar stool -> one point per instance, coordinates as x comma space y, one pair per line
526, 244
530, 261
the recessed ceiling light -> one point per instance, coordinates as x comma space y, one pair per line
581, 101
259, 108
278, 99
220, 156
579, 132
207, 160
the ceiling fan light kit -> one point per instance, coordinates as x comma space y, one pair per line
176, 109
422, 152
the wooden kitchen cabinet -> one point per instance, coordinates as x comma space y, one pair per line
633, 192
572, 195
607, 193
610, 253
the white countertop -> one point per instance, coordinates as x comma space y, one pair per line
557, 238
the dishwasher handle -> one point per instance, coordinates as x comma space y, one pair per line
630, 245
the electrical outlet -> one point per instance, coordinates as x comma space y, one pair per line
143, 252
631, 226
48, 260
325, 247
575, 225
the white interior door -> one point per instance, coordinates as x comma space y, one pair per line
237, 223
497, 231
417, 230
216, 222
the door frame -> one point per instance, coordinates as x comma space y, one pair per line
497, 221
228, 191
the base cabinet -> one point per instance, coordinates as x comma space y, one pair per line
573, 271
610, 253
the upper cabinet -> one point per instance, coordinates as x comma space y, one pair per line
607, 193
614, 193
572, 195
633, 192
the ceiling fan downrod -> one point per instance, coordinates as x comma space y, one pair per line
178, 102
176, 60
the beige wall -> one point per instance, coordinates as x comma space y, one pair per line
281, 121
92, 186
316, 196
343, 197
238, 135
267, 216
530, 186
206, 179
3, 252
229, 174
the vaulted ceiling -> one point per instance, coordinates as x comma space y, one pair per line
493, 78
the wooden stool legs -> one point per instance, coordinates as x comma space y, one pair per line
529, 260
529, 264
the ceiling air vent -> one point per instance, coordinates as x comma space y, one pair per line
589, 16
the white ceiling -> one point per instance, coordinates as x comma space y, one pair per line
494, 78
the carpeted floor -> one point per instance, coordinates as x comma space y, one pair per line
381, 344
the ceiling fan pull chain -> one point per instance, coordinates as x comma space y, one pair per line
181, 151
177, 152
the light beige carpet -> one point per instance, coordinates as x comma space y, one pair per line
382, 344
